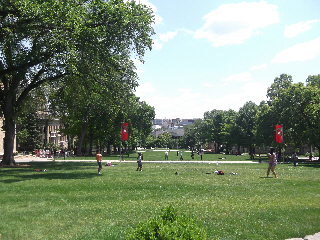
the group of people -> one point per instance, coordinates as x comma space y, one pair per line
43, 153
99, 161
272, 156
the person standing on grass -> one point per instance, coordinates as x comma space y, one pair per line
295, 160
166, 156
181, 157
139, 168
272, 162
99, 161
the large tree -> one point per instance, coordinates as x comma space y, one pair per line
44, 41
264, 130
193, 135
244, 125
213, 121
298, 110
229, 118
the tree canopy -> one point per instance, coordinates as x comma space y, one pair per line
46, 41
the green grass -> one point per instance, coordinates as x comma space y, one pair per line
149, 155
70, 201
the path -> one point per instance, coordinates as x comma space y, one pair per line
24, 159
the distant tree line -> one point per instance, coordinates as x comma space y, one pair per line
294, 105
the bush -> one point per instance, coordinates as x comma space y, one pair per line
168, 225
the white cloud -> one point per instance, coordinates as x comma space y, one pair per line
189, 103
156, 44
157, 19
167, 36
164, 38
136, 61
144, 89
187, 31
253, 91
208, 85
234, 23
259, 67
301, 27
300, 52
146, 2
184, 104
139, 70
241, 77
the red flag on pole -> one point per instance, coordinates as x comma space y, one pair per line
124, 131
279, 133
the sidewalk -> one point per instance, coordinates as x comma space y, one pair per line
25, 159
28, 158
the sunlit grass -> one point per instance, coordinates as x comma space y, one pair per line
149, 155
70, 201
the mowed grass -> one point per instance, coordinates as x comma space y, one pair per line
158, 155
70, 201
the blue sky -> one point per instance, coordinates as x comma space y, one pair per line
220, 54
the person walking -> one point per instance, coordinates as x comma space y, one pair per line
295, 160
272, 162
139, 168
181, 157
99, 161
166, 156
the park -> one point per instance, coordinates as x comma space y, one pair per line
70, 201
70, 81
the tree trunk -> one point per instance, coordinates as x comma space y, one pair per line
81, 137
108, 147
9, 127
90, 140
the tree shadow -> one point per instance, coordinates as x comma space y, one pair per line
53, 171
314, 164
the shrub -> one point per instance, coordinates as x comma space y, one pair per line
168, 225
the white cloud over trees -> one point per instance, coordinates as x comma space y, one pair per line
234, 23
300, 52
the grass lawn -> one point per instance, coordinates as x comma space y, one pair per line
70, 201
149, 155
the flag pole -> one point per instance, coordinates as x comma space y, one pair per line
280, 144
120, 140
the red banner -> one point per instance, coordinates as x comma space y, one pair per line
125, 131
279, 133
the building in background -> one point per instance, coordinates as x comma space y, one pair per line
50, 128
173, 126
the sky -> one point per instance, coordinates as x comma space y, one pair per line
220, 54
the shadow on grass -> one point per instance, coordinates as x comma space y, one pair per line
54, 171
309, 164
